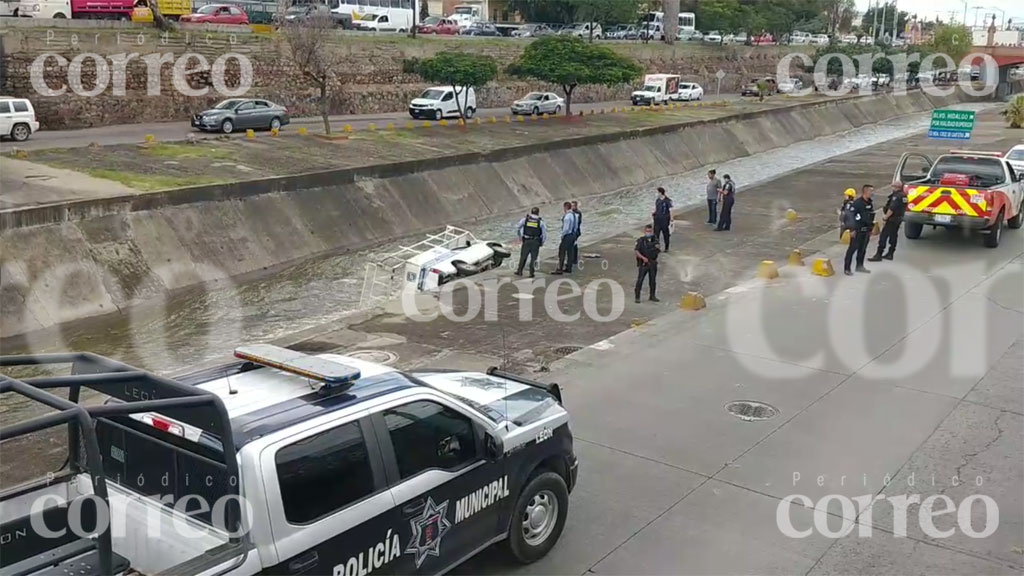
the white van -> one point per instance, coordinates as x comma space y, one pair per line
17, 118
582, 30
439, 102
60, 9
384, 21
658, 89
800, 38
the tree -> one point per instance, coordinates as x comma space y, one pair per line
604, 12
311, 51
883, 20
424, 10
839, 14
570, 62
159, 22
461, 71
722, 15
954, 41
1015, 112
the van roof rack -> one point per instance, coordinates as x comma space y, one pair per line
135, 391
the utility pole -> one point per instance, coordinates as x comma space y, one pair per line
874, 24
895, 19
881, 32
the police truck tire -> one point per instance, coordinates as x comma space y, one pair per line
913, 230
499, 250
538, 518
995, 232
463, 269
1017, 220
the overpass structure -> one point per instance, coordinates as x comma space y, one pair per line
1006, 58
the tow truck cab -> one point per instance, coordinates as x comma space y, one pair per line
963, 189
286, 463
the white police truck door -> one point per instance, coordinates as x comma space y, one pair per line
447, 492
329, 502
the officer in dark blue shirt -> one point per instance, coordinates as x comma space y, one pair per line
646, 251
895, 208
662, 217
861, 218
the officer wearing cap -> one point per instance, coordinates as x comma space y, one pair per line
646, 251
895, 208
862, 216
533, 233
849, 197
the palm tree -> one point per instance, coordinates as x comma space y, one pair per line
1015, 112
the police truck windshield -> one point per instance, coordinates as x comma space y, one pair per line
989, 171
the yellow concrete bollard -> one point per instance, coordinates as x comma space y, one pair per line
493, 120
443, 122
303, 131
822, 267
791, 215
150, 138
693, 301
476, 121
372, 127
348, 128
410, 125
274, 132
845, 238
426, 123
520, 119
796, 258
462, 122
767, 270
508, 119
250, 134
391, 125
613, 110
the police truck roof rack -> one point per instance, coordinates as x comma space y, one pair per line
138, 392
335, 376
552, 388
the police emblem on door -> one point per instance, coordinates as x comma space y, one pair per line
427, 531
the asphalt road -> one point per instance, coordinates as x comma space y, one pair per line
169, 131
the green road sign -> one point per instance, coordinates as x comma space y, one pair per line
951, 124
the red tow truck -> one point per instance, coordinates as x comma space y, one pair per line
963, 189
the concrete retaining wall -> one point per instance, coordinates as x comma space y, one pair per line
90, 258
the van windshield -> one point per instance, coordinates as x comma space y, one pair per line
432, 94
651, 88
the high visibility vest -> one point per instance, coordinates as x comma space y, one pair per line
531, 228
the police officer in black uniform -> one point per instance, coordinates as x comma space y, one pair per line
862, 218
895, 208
662, 217
647, 262
533, 232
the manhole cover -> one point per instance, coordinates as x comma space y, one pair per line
376, 356
566, 350
750, 410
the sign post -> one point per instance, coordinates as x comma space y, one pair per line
951, 125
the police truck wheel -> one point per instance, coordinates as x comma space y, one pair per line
1017, 220
995, 233
463, 269
913, 230
538, 518
227, 127
499, 250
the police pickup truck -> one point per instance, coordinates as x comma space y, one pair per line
285, 463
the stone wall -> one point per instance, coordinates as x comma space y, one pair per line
371, 81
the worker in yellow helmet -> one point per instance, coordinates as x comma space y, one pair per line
849, 196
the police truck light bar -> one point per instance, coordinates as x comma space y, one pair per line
332, 374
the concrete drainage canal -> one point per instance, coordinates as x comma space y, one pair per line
751, 411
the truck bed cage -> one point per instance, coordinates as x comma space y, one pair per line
383, 277
135, 391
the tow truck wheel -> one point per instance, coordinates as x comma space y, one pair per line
1017, 220
995, 232
913, 230
463, 269
538, 518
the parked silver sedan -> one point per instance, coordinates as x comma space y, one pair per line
536, 103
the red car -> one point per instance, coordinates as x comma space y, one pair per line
218, 14
435, 25
763, 40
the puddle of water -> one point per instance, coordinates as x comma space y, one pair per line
199, 326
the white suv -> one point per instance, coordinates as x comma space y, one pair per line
17, 118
